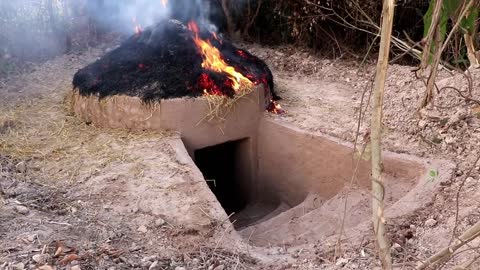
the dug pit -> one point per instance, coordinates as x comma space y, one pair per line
278, 184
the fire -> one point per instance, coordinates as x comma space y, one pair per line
138, 27
212, 60
164, 3
274, 107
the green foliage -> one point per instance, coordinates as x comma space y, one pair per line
468, 22
451, 10
432, 175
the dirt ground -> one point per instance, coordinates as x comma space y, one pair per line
79, 197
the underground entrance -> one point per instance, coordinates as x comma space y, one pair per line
228, 169
221, 168
285, 185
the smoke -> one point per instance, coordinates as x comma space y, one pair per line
118, 15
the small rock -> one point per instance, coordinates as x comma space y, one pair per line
40, 258
112, 268
74, 262
21, 167
21, 209
149, 258
180, 268
75, 267
341, 262
31, 237
142, 229
195, 261
154, 266
422, 124
430, 222
19, 266
396, 247
159, 222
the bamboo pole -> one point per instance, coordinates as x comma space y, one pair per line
378, 188
447, 252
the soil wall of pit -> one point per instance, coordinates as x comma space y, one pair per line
293, 163
188, 116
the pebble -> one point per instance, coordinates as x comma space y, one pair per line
149, 258
430, 222
19, 266
142, 229
21, 209
159, 222
154, 266
21, 167
396, 247
40, 258
180, 268
75, 267
220, 267
195, 261
422, 123
31, 237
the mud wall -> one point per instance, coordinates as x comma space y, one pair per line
184, 115
292, 163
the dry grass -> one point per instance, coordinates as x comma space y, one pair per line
55, 143
220, 106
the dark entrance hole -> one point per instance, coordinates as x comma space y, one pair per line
226, 171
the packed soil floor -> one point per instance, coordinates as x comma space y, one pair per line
75, 196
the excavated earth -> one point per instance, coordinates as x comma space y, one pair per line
78, 194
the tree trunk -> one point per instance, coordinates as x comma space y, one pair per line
228, 15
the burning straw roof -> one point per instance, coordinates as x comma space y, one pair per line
170, 60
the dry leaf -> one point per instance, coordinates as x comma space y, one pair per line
69, 258
60, 248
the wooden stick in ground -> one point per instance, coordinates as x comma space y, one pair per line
378, 188
447, 252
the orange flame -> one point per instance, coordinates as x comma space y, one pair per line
212, 60
164, 3
275, 108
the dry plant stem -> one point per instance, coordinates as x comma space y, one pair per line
447, 252
469, 38
433, 73
472, 58
378, 188
438, 54
432, 33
